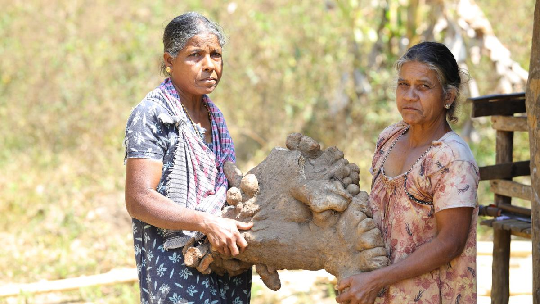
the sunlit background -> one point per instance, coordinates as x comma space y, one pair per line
71, 70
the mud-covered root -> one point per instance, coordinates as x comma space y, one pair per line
227, 265
234, 196
339, 168
369, 236
242, 195
269, 276
233, 174
352, 180
373, 258
357, 226
206, 260
309, 147
307, 211
198, 256
249, 185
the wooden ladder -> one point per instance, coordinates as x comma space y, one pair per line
502, 108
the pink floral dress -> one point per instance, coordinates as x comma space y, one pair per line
404, 208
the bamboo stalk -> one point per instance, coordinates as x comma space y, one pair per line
115, 276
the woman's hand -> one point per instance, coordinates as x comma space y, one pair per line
224, 235
359, 289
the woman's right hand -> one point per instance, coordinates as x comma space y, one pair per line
359, 289
224, 234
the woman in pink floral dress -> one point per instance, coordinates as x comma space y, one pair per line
423, 192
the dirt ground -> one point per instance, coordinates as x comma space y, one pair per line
317, 286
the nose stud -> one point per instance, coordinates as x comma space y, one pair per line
447, 106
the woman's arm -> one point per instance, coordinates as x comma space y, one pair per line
143, 202
452, 233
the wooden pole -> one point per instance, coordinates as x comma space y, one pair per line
533, 117
500, 280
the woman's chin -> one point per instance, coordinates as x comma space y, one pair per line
204, 91
208, 89
409, 120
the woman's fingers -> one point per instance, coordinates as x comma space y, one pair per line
233, 247
343, 284
242, 243
226, 250
357, 289
343, 288
343, 297
244, 225
239, 243
226, 236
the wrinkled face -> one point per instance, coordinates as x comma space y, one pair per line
196, 70
419, 95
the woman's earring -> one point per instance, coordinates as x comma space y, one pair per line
447, 106
168, 70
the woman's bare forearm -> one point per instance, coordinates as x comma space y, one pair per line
451, 238
144, 203
155, 209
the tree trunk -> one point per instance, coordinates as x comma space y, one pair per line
533, 116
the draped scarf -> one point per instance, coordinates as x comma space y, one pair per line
196, 180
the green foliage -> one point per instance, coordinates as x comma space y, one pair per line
72, 70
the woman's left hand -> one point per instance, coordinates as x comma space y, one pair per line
359, 289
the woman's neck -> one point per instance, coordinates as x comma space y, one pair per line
420, 135
192, 103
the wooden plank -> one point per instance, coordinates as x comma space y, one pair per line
497, 97
115, 276
488, 223
498, 105
522, 229
505, 170
509, 123
515, 227
533, 120
511, 189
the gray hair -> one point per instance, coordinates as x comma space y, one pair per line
185, 26
439, 59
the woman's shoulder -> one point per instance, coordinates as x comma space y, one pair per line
390, 132
451, 148
155, 100
152, 105
457, 146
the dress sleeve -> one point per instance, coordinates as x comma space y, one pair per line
455, 185
145, 133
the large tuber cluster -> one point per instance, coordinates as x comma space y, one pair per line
308, 213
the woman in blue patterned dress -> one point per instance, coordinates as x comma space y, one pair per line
176, 145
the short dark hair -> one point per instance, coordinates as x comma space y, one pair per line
185, 26
440, 59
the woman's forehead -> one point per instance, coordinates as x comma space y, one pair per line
417, 70
203, 39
